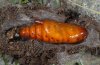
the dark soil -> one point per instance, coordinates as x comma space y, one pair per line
33, 52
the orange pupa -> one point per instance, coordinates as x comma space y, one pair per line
54, 32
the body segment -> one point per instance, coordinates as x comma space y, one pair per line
54, 32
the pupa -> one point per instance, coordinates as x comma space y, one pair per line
54, 32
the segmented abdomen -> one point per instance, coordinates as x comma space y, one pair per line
54, 32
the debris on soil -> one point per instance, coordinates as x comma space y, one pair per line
33, 52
